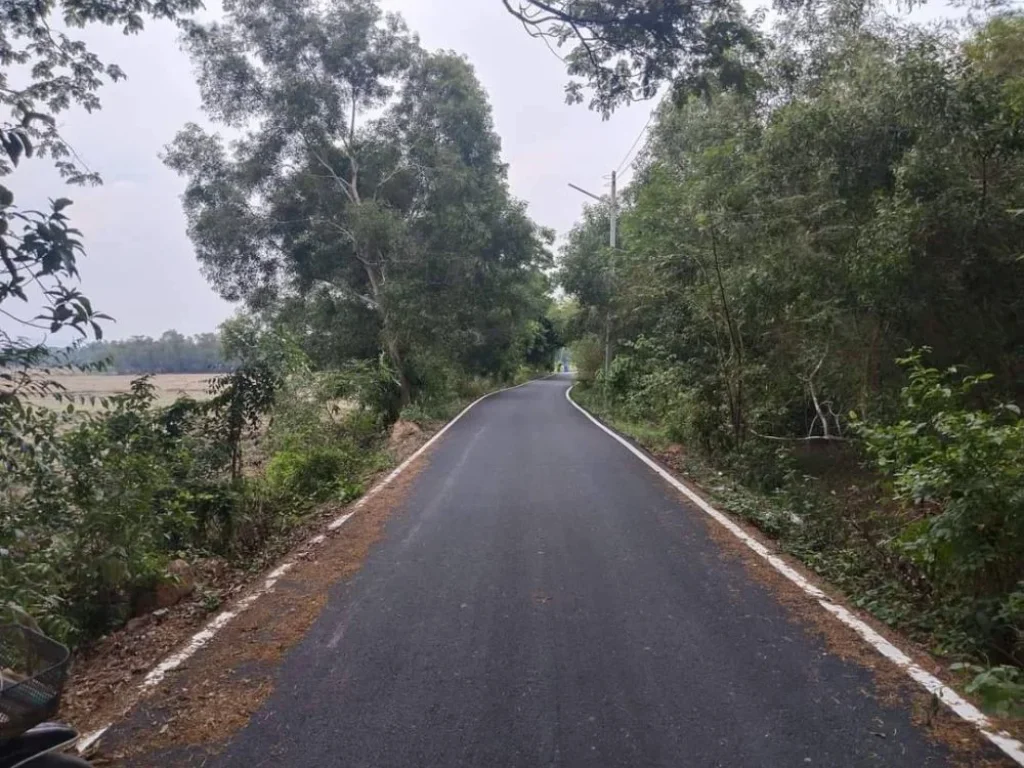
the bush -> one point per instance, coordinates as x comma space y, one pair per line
588, 357
371, 384
322, 473
364, 427
1000, 688
261, 514
958, 473
94, 505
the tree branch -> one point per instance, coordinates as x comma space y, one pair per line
808, 439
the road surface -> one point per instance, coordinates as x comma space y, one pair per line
543, 599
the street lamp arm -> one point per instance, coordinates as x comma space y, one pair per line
589, 194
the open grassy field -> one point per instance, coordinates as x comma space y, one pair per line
169, 386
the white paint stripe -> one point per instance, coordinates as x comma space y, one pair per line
215, 625
337, 523
954, 701
86, 742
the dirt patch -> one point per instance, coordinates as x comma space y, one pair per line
405, 439
893, 689
202, 704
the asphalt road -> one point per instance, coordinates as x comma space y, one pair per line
543, 599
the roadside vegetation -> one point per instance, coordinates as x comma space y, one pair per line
817, 310
384, 273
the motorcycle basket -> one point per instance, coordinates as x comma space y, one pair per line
33, 669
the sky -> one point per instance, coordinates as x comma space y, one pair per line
140, 266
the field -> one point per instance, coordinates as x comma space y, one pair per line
169, 386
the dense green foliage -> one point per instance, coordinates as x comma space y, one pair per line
957, 473
782, 247
626, 50
49, 481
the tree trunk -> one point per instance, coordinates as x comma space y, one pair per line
873, 369
735, 350
398, 361
391, 343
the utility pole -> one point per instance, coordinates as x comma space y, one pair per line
615, 212
613, 240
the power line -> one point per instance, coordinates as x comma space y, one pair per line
637, 142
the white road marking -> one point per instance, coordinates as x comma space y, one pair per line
340, 521
954, 701
87, 741
215, 625
201, 638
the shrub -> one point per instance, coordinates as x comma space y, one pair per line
96, 504
319, 474
364, 427
96, 511
262, 512
958, 473
1000, 688
588, 357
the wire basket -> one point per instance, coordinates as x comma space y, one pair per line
33, 669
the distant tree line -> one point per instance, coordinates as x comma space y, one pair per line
173, 352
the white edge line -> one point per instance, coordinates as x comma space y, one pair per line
87, 741
221, 620
953, 700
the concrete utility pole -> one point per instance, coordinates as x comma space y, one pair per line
614, 242
615, 212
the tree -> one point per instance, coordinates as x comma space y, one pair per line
626, 50
368, 182
781, 249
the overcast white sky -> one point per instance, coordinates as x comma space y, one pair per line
140, 266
